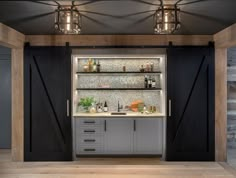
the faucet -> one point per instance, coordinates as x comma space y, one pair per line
119, 107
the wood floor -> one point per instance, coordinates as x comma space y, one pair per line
113, 168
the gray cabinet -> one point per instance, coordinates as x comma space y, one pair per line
89, 136
119, 136
148, 136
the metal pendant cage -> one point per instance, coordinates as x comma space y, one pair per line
68, 20
167, 19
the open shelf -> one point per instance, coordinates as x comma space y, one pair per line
84, 73
150, 89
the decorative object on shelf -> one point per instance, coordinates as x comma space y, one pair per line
99, 107
141, 69
98, 67
105, 108
124, 68
90, 65
135, 105
86, 68
94, 66
86, 103
166, 19
146, 81
68, 19
153, 82
147, 69
92, 109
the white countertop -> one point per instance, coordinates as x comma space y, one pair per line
108, 114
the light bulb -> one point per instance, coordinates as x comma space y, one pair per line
68, 22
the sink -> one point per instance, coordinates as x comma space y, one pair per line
118, 113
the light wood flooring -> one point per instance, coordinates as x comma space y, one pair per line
113, 168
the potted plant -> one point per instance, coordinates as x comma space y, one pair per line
86, 103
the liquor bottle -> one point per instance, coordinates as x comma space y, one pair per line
153, 82
146, 81
105, 108
150, 82
90, 65
94, 66
98, 67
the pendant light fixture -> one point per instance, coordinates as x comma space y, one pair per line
166, 19
68, 19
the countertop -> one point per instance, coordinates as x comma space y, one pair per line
108, 115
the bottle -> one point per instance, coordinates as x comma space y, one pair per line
90, 65
98, 67
153, 83
152, 67
105, 108
146, 82
94, 66
150, 82
124, 68
141, 68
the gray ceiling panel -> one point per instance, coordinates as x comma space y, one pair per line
119, 16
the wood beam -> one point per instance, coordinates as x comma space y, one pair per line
15, 40
223, 40
17, 66
226, 38
220, 104
117, 40
11, 38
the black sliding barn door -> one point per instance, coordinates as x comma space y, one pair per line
47, 92
190, 103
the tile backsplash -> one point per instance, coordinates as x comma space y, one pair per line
124, 97
117, 64
118, 80
114, 81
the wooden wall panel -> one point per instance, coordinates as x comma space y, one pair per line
106, 40
221, 104
17, 105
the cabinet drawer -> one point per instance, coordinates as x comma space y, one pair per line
90, 140
89, 131
89, 122
90, 149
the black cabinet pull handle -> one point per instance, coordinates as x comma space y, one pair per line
89, 140
89, 149
169, 108
105, 125
134, 125
89, 131
89, 122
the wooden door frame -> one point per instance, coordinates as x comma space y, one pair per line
15, 41
12, 39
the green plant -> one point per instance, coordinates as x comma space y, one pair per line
86, 102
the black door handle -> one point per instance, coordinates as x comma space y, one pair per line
134, 125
